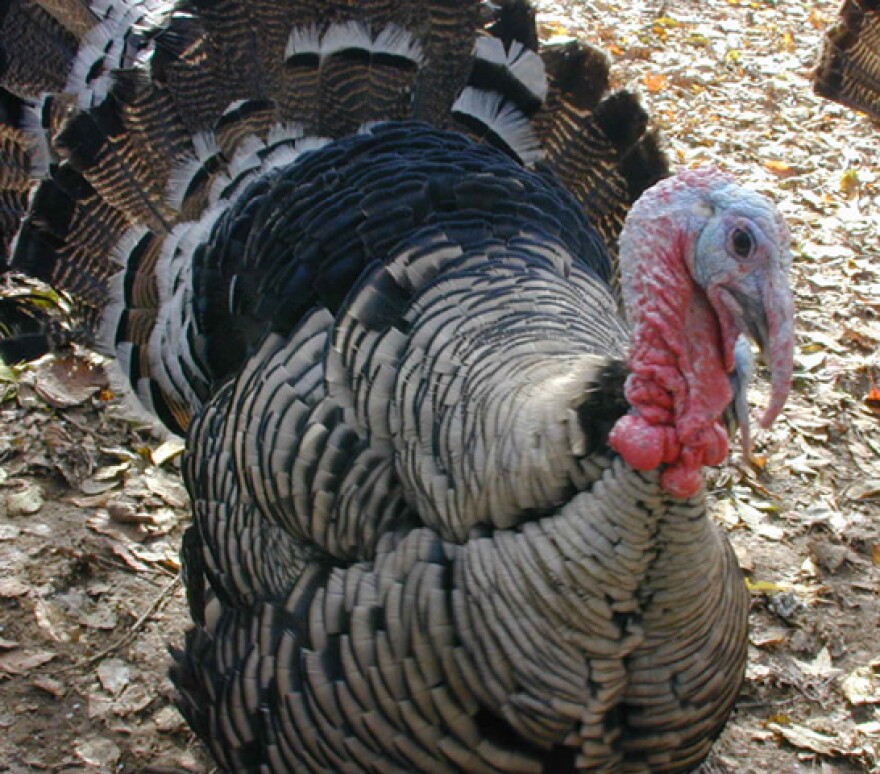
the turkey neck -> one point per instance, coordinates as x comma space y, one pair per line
622, 623
679, 385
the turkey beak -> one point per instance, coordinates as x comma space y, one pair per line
772, 327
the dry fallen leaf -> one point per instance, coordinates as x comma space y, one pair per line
69, 381
868, 489
655, 82
807, 739
26, 500
862, 686
114, 675
13, 587
169, 720
167, 488
872, 400
52, 621
20, 662
50, 685
167, 451
780, 168
764, 587
821, 666
98, 751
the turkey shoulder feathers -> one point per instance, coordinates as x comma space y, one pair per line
400, 359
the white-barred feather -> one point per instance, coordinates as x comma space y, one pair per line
232, 107
345, 35
181, 177
39, 151
281, 155
397, 41
284, 132
126, 243
504, 119
105, 340
392, 39
303, 40
246, 155
522, 63
115, 42
205, 145
312, 142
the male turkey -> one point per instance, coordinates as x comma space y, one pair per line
364, 254
849, 68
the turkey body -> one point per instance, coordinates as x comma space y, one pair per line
430, 569
448, 511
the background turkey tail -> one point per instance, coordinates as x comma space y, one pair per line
15, 170
166, 115
849, 68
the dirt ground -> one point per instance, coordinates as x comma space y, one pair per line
92, 510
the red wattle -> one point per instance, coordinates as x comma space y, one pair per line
681, 481
640, 444
679, 384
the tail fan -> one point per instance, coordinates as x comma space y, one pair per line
849, 68
598, 145
179, 111
15, 164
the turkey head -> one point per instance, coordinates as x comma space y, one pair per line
703, 261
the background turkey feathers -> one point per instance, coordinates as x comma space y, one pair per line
399, 355
849, 68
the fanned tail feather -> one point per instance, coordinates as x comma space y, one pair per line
849, 67
598, 144
15, 163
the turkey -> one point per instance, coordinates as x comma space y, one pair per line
849, 67
446, 415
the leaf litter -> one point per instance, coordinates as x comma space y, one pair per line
92, 509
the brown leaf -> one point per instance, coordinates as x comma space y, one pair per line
807, 739
68, 381
781, 168
20, 662
655, 82
13, 587
50, 685
872, 400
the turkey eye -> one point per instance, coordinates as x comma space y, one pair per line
742, 243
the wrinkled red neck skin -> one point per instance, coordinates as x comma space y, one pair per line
678, 386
